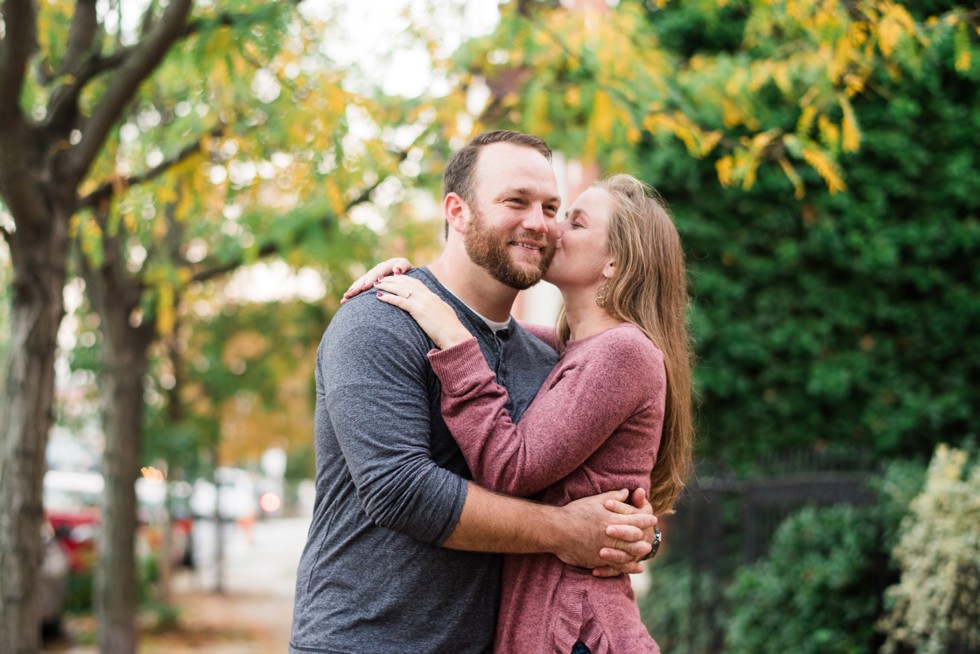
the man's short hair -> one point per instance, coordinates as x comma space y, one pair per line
458, 177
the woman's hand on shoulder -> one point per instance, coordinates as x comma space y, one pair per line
429, 310
396, 266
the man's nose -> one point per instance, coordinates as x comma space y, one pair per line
536, 220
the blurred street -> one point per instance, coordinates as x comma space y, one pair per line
252, 615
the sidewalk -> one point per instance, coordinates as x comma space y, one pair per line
252, 615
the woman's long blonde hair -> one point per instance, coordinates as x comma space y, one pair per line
649, 290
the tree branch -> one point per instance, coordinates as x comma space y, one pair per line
629, 104
64, 99
272, 248
81, 35
136, 67
225, 19
20, 27
108, 189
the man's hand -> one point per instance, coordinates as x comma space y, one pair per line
604, 523
633, 544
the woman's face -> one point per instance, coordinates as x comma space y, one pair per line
583, 256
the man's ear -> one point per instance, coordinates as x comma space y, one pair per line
456, 212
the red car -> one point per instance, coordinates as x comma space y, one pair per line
53, 581
73, 500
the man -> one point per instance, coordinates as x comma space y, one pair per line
395, 559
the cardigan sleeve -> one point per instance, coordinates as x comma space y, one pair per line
577, 409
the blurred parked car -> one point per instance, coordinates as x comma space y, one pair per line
73, 504
54, 579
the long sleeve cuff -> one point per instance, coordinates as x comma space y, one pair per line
460, 367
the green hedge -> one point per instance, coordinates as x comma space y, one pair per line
844, 318
820, 587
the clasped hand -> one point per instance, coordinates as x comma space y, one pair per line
627, 537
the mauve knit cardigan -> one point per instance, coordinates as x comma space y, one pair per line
594, 426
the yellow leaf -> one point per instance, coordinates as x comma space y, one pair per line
888, 33
165, 194
793, 177
731, 116
681, 128
903, 17
849, 127
537, 114
589, 147
895, 23
651, 122
336, 197
829, 132
724, 167
854, 84
184, 200
825, 167
165, 309
760, 141
750, 165
857, 34
781, 76
603, 115
735, 82
961, 45
709, 141
573, 96
806, 118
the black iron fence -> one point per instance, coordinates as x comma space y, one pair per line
725, 521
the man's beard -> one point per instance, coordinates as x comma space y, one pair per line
490, 250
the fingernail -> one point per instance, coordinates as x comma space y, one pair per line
398, 271
380, 294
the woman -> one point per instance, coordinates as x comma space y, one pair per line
617, 402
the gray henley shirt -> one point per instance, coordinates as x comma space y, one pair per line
390, 487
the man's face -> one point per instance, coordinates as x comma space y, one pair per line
512, 228
492, 249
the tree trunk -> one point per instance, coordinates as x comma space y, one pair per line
116, 583
219, 532
124, 351
38, 252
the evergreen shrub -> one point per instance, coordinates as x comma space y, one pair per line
934, 608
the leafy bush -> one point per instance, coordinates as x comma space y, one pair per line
934, 607
815, 593
819, 590
673, 608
